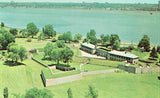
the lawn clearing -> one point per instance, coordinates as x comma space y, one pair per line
18, 79
106, 63
113, 85
49, 75
31, 45
89, 67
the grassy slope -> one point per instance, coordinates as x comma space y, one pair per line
114, 85
20, 78
31, 45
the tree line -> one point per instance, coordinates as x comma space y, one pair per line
83, 5
45, 93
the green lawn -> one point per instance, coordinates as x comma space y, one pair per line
117, 85
106, 63
90, 67
113, 85
56, 71
19, 78
31, 45
48, 74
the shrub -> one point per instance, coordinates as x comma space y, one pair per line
123, 48
75, 40
64, 67
28, 40
54, 40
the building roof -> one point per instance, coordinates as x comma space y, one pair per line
91, 46
124, 54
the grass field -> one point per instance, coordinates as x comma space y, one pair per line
90, 67
20, 78
31, 45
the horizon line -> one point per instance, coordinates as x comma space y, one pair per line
79, 2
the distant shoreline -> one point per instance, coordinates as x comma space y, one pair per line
94, 9
84, 6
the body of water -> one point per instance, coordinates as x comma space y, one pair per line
129, 25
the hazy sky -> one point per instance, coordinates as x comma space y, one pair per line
110, 1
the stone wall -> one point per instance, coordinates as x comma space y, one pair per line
139, 70
147, 70
127, 68
43, 78
62, 80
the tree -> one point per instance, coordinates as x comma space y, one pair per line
60, 44
105, 38
13, 31
16, 52
93, 40
49, 31
5, 39
67, 55
60, 37
57, 55
154, 54
158, 49
69, 93
116, 45
2, 24
38, 93
65, 36
91, 34
23, 32
91, 37
22, 53
68, 36
41, 36
102, 37
5, 92
32, 29
48, 49
92, 93
145, 43
78, 36
115, 41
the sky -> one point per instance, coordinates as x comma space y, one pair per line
101, 1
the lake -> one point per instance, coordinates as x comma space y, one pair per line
129, 25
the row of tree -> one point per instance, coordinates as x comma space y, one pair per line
58, 52
45, 93
112, 40
32, 30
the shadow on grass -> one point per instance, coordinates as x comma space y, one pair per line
11, 63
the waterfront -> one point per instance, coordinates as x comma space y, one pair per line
129, 25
